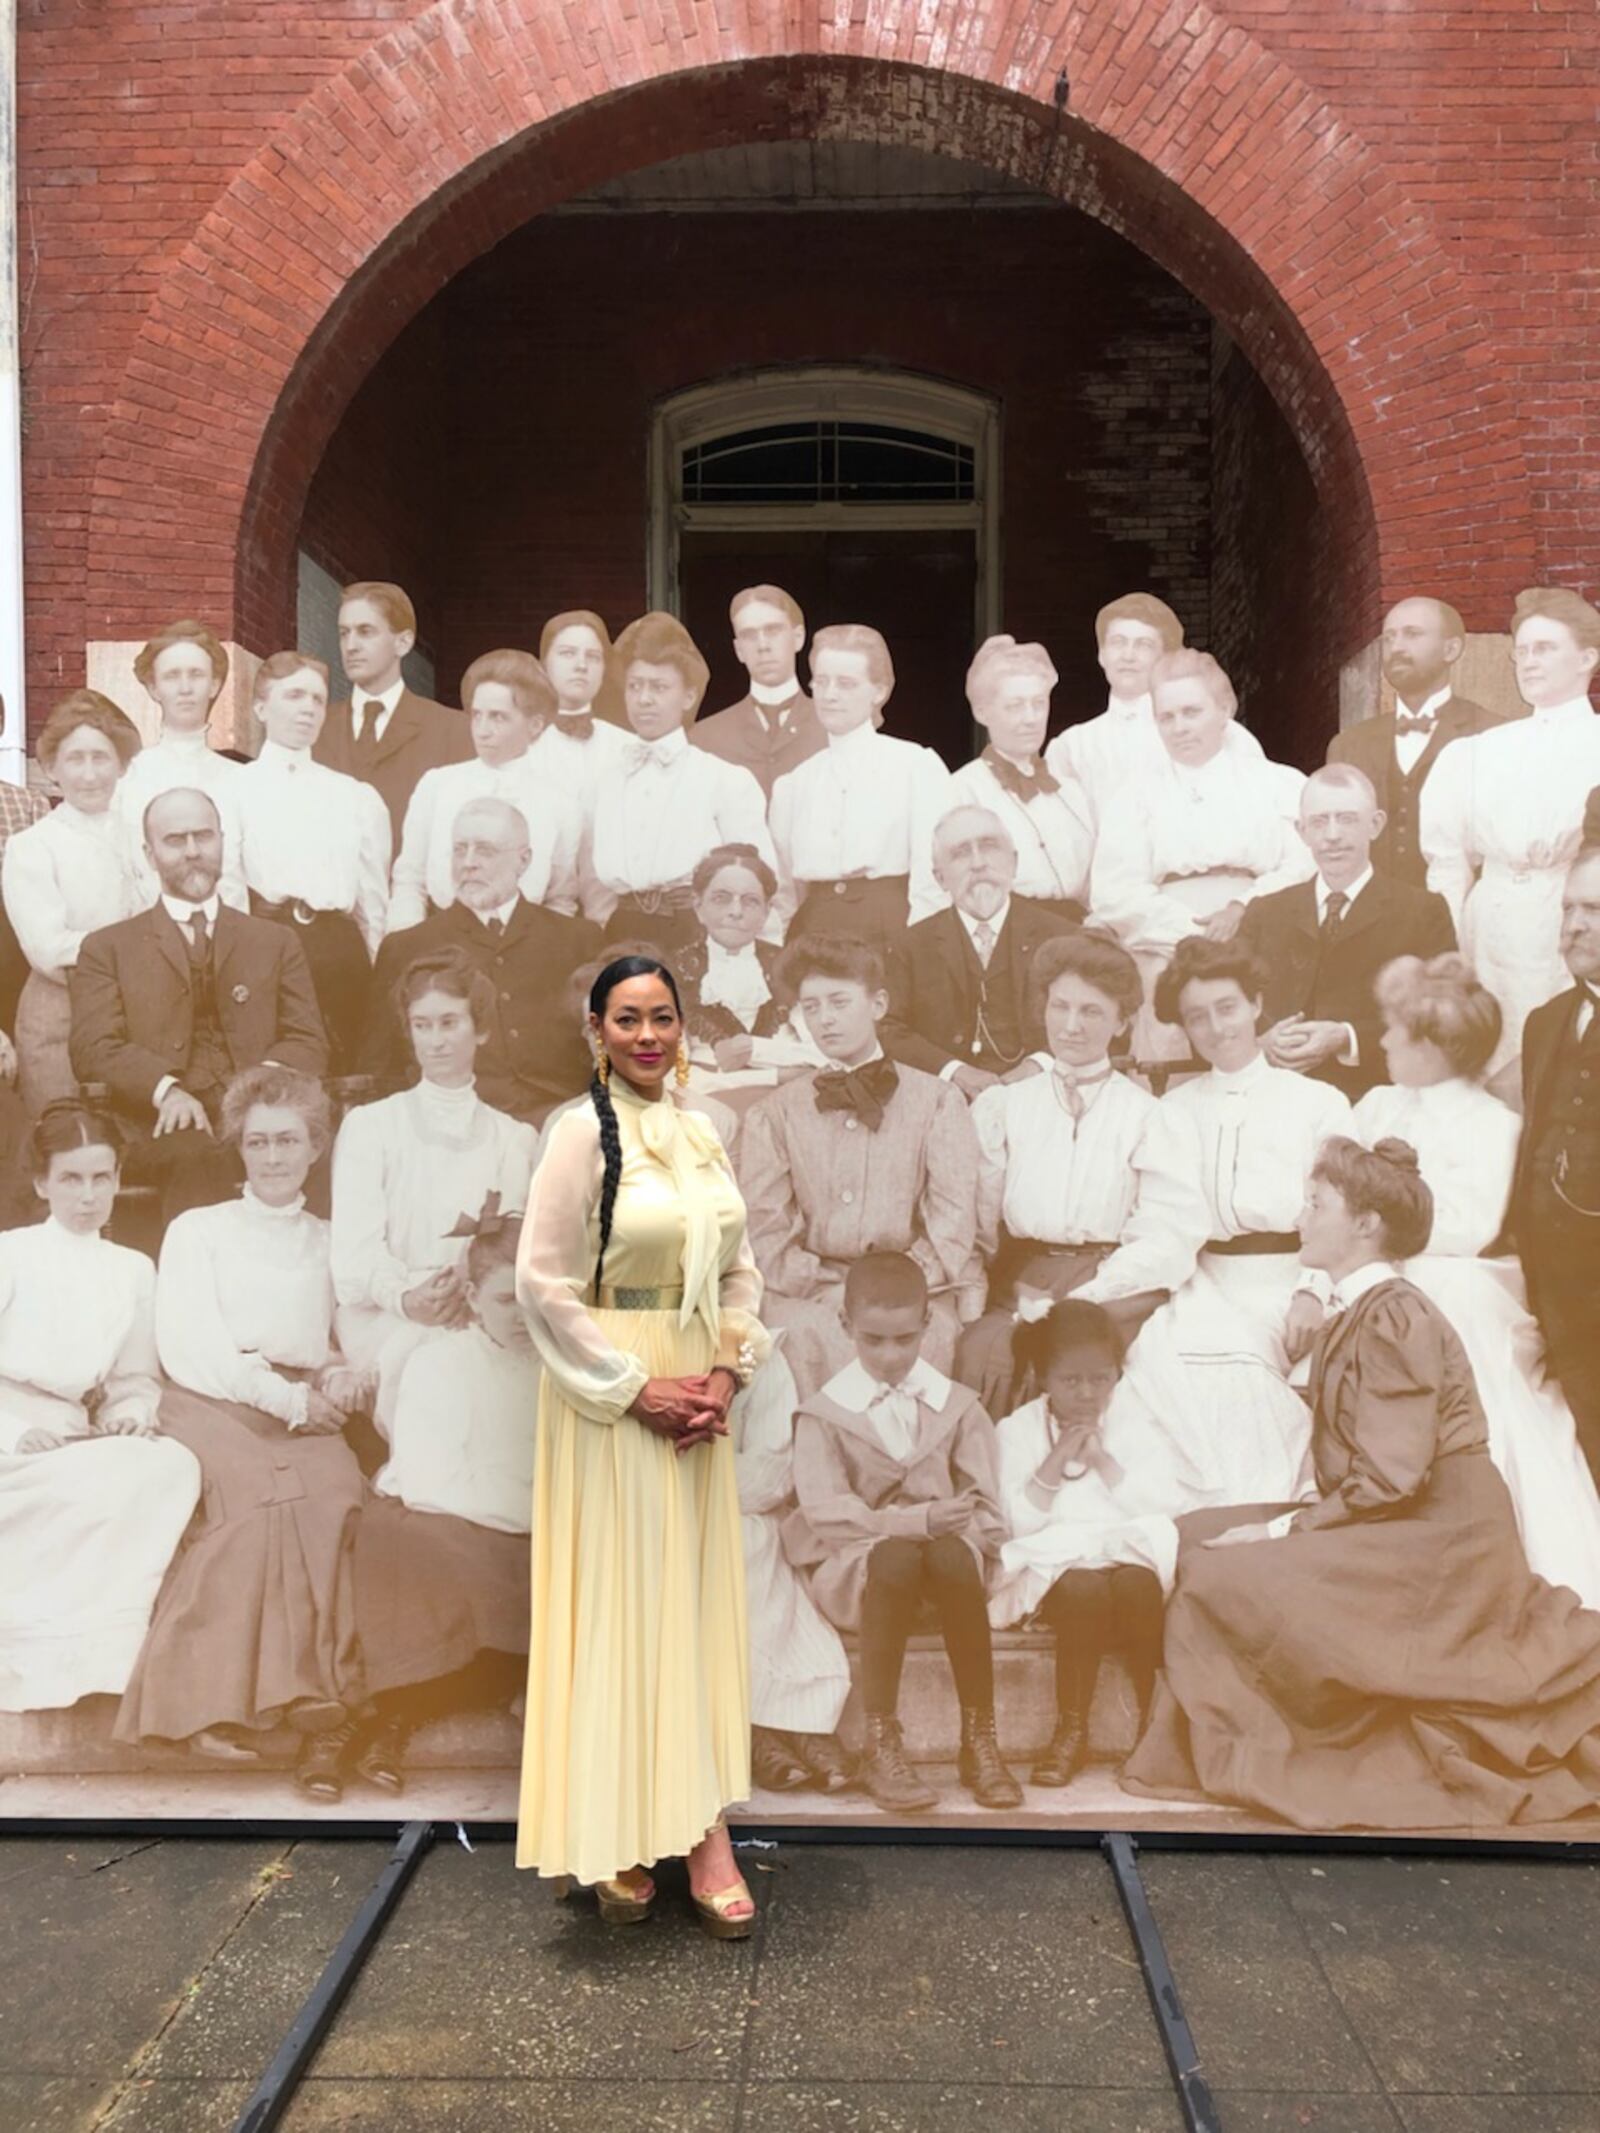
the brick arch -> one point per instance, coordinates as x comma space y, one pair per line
1184, 134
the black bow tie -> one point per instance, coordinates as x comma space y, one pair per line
1415, 721
1017, 782
865, 1090
580, 727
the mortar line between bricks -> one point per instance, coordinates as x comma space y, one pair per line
134, 2070
1335, 1995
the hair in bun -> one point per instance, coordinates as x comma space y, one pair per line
1384, 1181
1400, 1153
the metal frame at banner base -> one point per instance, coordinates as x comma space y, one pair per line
1120, 1849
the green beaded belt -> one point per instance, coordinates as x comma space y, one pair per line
637, 1299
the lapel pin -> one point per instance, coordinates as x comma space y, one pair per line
241, 993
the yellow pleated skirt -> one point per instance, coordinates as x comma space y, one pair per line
638, 1720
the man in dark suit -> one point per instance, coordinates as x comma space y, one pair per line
772, 729
169, 1006
1555, 1198
1422, 641
959, 992
381, 732
1324, 941
526, 1063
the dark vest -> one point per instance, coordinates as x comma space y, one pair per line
1398, 849
996, 1040
1565, 1170
210, 1063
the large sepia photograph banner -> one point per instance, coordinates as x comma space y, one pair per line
1173, 1173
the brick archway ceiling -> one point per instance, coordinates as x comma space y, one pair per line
1181, 132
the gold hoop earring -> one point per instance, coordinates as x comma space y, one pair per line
602, 1066
681, 1070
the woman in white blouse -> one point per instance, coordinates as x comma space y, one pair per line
67, 875
403, 1170
255, 1624
1212, 1366
735, 1017
441, 1553
1179, 856
854, 823
1501, 815
1076, 1195
1442, 1030
669, 804
93, 1499
1049, 817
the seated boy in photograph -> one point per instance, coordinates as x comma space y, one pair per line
894, 1475
860, 1156
1086, 1552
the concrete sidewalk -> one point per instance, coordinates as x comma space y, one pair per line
147, 1982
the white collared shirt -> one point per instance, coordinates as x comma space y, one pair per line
182, 913
359, 701
779, 697
1323, 892
891, 1409
866, 805
312, 833
64, 876
423, 870
994, 925
1053, 832
1586, 1008
735, 980
1409, 748
671, 806
1353, 1286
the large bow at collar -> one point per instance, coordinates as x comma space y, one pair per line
865, 1090
684, 1143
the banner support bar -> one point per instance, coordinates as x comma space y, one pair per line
1194, 2096
278, 2084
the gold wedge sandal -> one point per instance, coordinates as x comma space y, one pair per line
714, 1912
620, 1903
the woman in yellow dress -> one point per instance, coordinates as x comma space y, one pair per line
641, 1294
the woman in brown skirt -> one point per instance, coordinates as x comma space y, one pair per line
1382, 1657
255, 1623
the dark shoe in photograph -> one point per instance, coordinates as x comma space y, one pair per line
774, 1765
981, 1768
893, 1784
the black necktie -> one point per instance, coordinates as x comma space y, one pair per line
865, 1090
367, 739
494, 927
199, 943
1333, 915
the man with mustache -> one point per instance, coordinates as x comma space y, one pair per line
1422, 641
1324, 941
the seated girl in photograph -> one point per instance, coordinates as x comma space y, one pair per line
93, 1498
441, 1551
1087, 1554
1077, 1190
735, 1014
894, 1469
1380, 1657
799, 1674
403, 1166
1211, 1370
254, 1624
1443, 1028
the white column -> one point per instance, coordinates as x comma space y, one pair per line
13, 737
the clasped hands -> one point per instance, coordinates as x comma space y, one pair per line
686, 1411
1300, 1044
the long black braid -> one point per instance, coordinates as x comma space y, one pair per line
615, 974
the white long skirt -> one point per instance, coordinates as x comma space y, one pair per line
1511, 935
1207, 1387
86, 1534
1532, 1440
799, 1675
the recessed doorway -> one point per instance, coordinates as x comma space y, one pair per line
871, 498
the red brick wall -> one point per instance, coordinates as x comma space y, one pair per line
571, 331
230, 211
